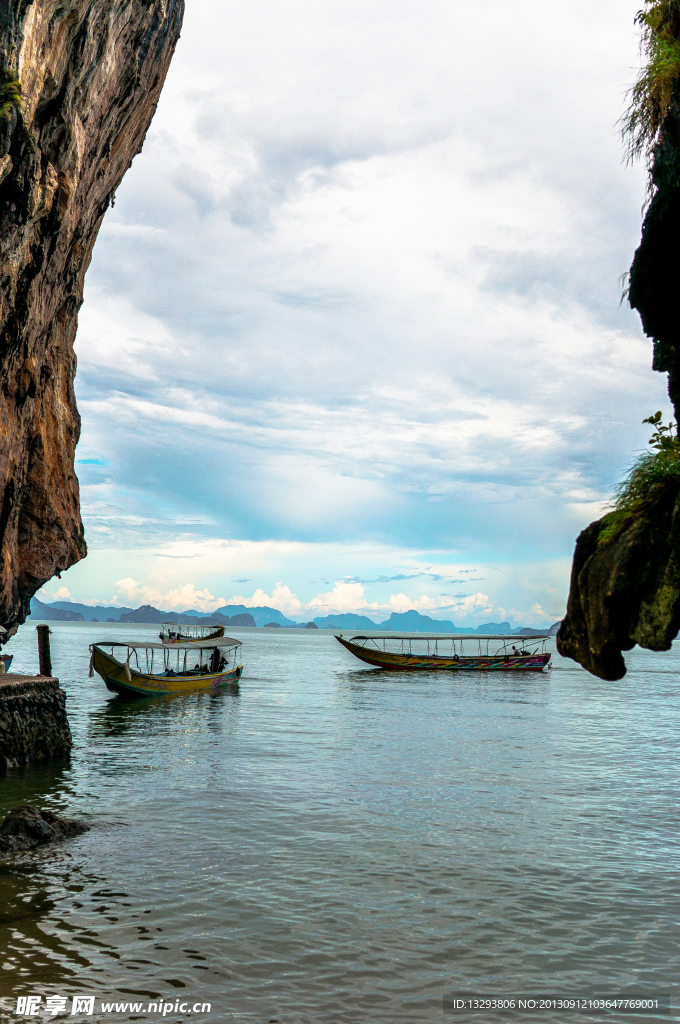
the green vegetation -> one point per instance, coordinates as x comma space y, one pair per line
663, 439
10, 94
651, 95
648, 476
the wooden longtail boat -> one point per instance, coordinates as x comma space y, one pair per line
173, 633
489, 653
143, 669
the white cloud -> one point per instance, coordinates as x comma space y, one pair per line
296, 577
402, 603
178, 598
345, 597
358, 291
348, 596
281, 598
61, 594
534, 616
474, 604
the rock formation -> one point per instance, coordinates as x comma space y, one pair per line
625, 590
655, 272
33, 722
91, 72
26, 827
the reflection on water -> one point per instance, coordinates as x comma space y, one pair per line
165, 712
338, 844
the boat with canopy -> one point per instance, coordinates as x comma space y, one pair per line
144, 669
485, 652
174, 633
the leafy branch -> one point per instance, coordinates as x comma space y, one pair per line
10, 94
663, 438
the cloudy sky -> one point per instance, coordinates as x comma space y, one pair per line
352, 337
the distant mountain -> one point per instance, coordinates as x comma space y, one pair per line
89, 612
413, 621
148, 614
217, 619
407, 622
237, 615
50, 613
505, 627
70, 611
348, 620
245, 619
262, 614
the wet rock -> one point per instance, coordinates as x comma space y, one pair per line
33, 721
26, 827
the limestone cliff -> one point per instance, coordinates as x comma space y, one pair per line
91, 72
626, 589
655, 273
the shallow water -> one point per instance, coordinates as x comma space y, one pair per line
337, 844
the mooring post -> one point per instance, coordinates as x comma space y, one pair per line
44, 650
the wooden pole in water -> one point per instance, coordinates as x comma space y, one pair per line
44, 650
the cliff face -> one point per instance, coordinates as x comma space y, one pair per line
91, 73
655, 273
626, 590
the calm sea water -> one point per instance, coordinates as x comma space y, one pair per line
337, 844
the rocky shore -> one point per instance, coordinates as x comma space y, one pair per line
33, 721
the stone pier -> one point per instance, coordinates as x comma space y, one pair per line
33, 722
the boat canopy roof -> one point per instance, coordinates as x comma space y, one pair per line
193, 625
221, 641
456, 636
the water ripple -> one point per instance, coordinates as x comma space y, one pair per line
341, 845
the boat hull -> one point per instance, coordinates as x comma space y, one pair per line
475, 663
137, 684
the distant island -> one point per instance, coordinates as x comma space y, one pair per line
237, 615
